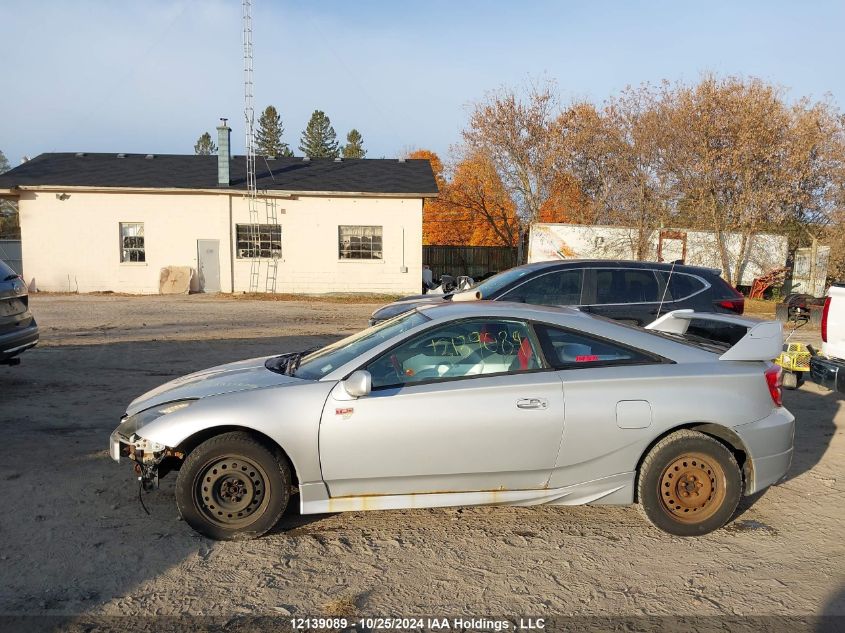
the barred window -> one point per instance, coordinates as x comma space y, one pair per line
359, 242
261, 240
132, 242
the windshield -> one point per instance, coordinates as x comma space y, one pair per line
491, 286
316, 365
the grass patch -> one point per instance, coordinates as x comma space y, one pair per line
342, 607
760, 307
349, 298
326, 298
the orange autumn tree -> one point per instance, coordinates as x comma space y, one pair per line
476, 193
473, 208
565, 202
438, 217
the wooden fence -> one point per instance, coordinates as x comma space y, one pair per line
474, 261
10, 252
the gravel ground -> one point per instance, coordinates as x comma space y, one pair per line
75, 542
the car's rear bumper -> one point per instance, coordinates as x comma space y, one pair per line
769, 443
828, 372
17, 341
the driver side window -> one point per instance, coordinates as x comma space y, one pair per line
561, 288
457, 350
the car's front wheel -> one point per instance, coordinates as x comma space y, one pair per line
689, 484
232, 487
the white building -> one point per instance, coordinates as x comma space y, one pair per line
112, 222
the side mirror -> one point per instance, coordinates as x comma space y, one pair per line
359, 383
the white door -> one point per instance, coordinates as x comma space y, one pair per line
462, 407
208, 258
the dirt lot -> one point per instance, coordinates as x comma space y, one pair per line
74, 539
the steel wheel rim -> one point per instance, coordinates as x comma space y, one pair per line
692, 488
231, 491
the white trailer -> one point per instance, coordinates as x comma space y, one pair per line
695, 248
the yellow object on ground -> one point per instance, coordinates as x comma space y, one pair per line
794, 357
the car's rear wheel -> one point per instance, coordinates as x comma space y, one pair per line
232, 487
689, 484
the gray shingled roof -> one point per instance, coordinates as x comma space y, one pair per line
176, 171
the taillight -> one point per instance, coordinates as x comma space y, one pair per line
735, 304
773, 382
825, 312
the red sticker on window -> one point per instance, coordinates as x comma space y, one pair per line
586, 358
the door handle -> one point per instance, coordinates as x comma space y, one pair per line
531, 403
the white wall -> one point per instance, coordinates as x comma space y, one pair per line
569, 241
310, 261
74, 245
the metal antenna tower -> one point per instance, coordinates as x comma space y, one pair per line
249, 120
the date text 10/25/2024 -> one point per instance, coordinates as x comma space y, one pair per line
411, 624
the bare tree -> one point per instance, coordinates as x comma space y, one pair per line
728, 141
728, 155
516, 131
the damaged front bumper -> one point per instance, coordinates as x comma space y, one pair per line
125, 441
134, 447
146, 455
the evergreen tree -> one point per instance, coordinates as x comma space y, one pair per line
204, 145
9, 227
319, 139
268, 137
354, 147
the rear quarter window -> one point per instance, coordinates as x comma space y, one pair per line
566, 349
682, 286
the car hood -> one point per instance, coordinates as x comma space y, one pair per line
240, 376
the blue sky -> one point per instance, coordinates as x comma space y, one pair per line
151, 76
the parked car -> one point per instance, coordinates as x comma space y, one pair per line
630, 291
18, 330
828, 368
474, 403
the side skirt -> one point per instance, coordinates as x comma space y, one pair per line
616, 489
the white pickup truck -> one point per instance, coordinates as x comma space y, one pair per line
828, 368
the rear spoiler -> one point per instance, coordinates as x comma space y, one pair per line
764, 340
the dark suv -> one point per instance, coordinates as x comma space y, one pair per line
18, 331
629, 291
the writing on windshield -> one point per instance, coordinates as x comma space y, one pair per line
316, 365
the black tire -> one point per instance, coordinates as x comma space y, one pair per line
789, 380
232, 487
689, 484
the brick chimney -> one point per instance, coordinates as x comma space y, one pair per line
224, 153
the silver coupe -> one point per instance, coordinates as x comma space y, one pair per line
475, 403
